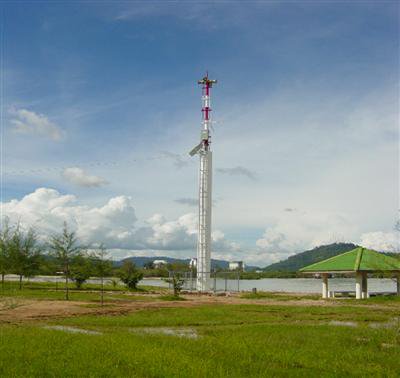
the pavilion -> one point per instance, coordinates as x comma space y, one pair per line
359, 261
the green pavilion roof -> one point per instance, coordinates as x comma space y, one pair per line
358, 259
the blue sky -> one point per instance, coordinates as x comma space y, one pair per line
98, 96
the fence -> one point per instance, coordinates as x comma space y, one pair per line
221, 281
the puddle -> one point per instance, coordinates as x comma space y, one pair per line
178, 332
342, 324
387, 325
73, 330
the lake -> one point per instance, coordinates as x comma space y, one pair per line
292, 285
288, 285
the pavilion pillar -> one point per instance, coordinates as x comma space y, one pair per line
325, 292
359, 279
364, 287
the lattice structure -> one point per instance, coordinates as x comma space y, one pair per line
205, 191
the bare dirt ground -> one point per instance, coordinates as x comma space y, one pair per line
15, 310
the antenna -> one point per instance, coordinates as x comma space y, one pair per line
205, 186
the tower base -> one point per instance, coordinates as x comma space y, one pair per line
204, 231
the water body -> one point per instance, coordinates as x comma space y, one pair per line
288, 285
293, 285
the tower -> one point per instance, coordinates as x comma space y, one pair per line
205, 186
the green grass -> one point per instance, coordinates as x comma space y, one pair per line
89, 292
387, 300
212, 315
246, 340
14, 285
278, 296
234, 341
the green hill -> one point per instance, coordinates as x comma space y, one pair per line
300, 260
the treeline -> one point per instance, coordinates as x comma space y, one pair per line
22, 253
149, 270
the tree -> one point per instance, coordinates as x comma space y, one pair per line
177, 282
148, 265
177, 266
102, 267
114, 283
5, 246
65, 247
81, 269
25, 253
129, 274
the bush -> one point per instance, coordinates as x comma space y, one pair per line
130, 275
81, 270
177, 282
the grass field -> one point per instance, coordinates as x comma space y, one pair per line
244, 339
90, 292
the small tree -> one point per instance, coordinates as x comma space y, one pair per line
177, 282
5, 249
102, 267
81, 269
114, 283
148, 265
25, 253
129, 274
65, 247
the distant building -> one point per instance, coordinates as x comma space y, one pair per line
193, 263
236, 265
159, 264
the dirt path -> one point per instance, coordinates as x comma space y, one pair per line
14, 310
21, 310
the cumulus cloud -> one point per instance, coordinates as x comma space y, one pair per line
79, 177
187, 201
381, 241
238, 171
114, 223
28, 122
224, 247
47, 209
294, 232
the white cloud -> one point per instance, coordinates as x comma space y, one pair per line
47, 209
381, 241
295, 232
223, 247
79, 177
114, 224
28, 122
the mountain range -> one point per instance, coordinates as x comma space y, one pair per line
141, 260
291, 264
300, 260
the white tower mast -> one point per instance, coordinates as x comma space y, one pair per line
205, 185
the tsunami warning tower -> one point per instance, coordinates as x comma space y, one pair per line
205, 186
